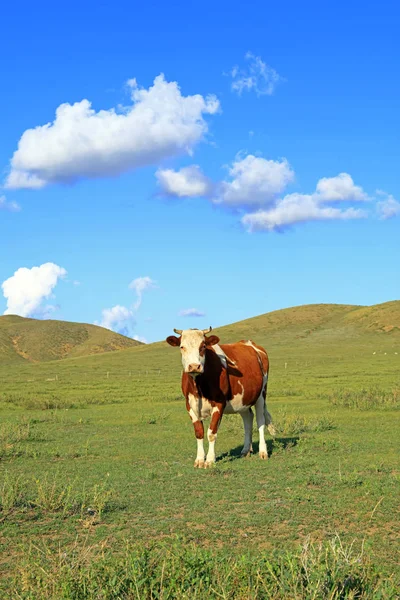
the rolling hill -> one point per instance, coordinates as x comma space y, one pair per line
319, 322
30, 340
328, 329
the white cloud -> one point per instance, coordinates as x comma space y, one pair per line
140, 338
27, 288
389, 207
257, 76
254, 181
122, 319
11, 206
80, 142
301, 208
140, 285
296, 208
188, 182
191, 312
339, 188
119, 319
76, 282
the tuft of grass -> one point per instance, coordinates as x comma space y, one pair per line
48, 495
365, 399
11, 436
331, 570
294, 424
12, 493
52, 495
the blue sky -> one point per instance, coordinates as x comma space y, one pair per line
265, 177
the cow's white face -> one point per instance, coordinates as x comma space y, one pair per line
193, 344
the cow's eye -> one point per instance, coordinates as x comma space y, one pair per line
182, 348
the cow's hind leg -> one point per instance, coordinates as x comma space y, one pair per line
261, 421
247, 417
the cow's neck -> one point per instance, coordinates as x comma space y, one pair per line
213, 383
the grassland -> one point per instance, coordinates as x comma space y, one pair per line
99, 498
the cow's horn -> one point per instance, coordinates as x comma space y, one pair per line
205, 331
178, 331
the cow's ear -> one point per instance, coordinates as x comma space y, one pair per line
172, 340
211, 340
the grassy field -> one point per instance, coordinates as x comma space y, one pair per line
99, 498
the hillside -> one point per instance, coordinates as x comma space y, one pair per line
318, 322
315, 329
30, 340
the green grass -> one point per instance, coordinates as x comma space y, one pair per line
98, 490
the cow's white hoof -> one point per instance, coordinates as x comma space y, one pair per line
263, 455
209, 464
199, 463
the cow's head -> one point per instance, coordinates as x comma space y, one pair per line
193, 344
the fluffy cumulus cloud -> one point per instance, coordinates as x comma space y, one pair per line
191, 312
27, 289
339, 188
119, 319
302, 208
188, 182
256, 76
254, 182
160, 122
388, 207
7, 205
140, 285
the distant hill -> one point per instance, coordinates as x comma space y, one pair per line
31, 340
318, 323
325, 329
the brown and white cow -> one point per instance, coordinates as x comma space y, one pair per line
225, 379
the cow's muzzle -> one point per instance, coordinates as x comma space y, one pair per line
195, 369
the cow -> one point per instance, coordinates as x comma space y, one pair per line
223, 379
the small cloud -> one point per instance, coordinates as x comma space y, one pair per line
119, 319
188, 182
140, 285
302, 208
191, 312
338, 189
257, 76
139, 338
26, 290
387, 208
76, 282
296, 208
10, 206
254, 181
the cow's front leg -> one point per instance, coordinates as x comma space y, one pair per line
199, 433
212, 432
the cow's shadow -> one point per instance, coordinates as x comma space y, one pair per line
283, 443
